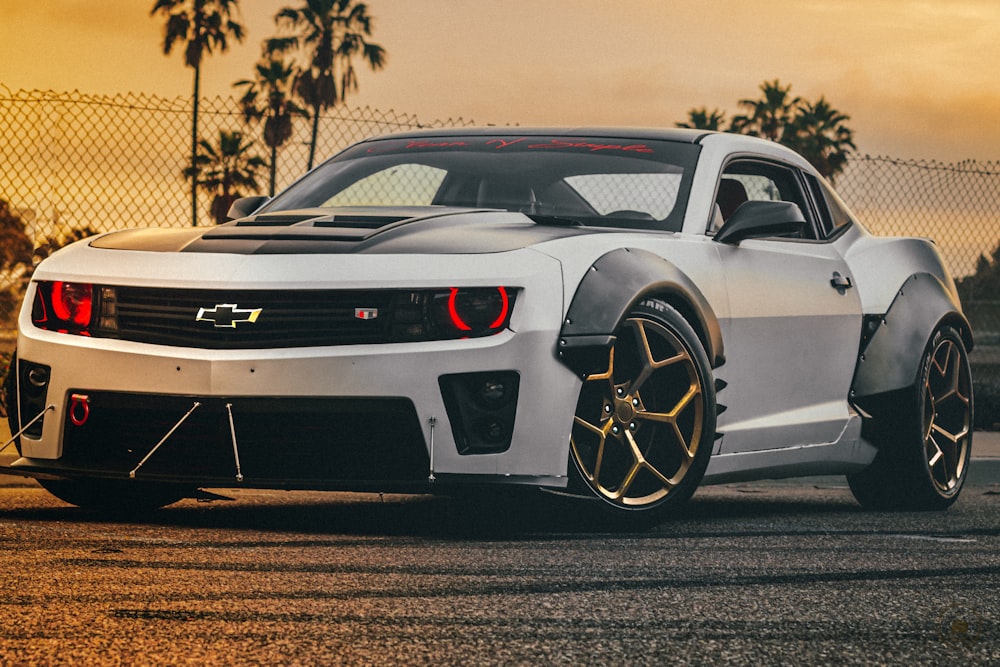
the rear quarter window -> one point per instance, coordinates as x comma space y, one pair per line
833, 213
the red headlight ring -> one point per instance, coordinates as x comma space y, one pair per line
460, 323
72, 303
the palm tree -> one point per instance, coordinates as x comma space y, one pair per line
204, 25
15, 245
818, 132
269, 97
330, 34
768, 116
15, 261
226, 169
703, 119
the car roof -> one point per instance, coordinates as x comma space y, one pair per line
683, 135
719, 144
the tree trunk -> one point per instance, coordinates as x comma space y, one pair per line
274, 168
194, 146
315, 132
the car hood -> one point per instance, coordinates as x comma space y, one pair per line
423, 230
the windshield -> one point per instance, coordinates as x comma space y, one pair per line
593, 181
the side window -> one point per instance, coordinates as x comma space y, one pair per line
754, 180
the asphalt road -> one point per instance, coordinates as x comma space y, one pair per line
781, 573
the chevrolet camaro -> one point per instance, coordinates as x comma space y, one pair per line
613, 316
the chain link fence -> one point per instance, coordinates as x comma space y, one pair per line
76, 161
957, 205
73, 164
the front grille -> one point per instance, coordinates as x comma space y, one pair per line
308, 442
247, 319
286, 318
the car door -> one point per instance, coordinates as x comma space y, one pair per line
793, 329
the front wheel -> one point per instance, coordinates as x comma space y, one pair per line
926, 442
643, 429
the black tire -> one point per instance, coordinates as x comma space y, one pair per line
643, 430
114, 496
10, 399
925, 441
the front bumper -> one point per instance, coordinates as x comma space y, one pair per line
268, 442
322, 416
342, 417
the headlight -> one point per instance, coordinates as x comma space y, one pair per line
454, 312
474, 311
63, 306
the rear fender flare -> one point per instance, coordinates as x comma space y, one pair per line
890, 356
612, 286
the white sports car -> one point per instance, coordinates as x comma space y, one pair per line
616, 315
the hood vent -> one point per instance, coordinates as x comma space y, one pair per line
274, 220
343, 221
359, 221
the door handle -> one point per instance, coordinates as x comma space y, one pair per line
840, 283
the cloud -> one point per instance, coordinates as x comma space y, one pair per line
85, 17
910, 120
911, 73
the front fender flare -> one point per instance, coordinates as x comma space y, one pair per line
611, 287
891, 358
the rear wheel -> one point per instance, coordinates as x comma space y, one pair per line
110, 495
925, 444
643, 429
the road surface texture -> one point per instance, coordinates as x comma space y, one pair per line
774, 573
751, 575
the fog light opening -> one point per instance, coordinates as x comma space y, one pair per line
492, 430
493, 392
33, 388
38, 377
481, 408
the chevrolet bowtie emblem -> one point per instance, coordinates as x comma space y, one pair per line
227, 315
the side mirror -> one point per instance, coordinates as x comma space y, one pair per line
244, 206
761, 219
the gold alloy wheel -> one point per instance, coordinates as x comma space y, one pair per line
639, 424
947, 416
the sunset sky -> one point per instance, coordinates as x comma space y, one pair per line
918, 78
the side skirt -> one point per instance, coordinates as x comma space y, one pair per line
848, 454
